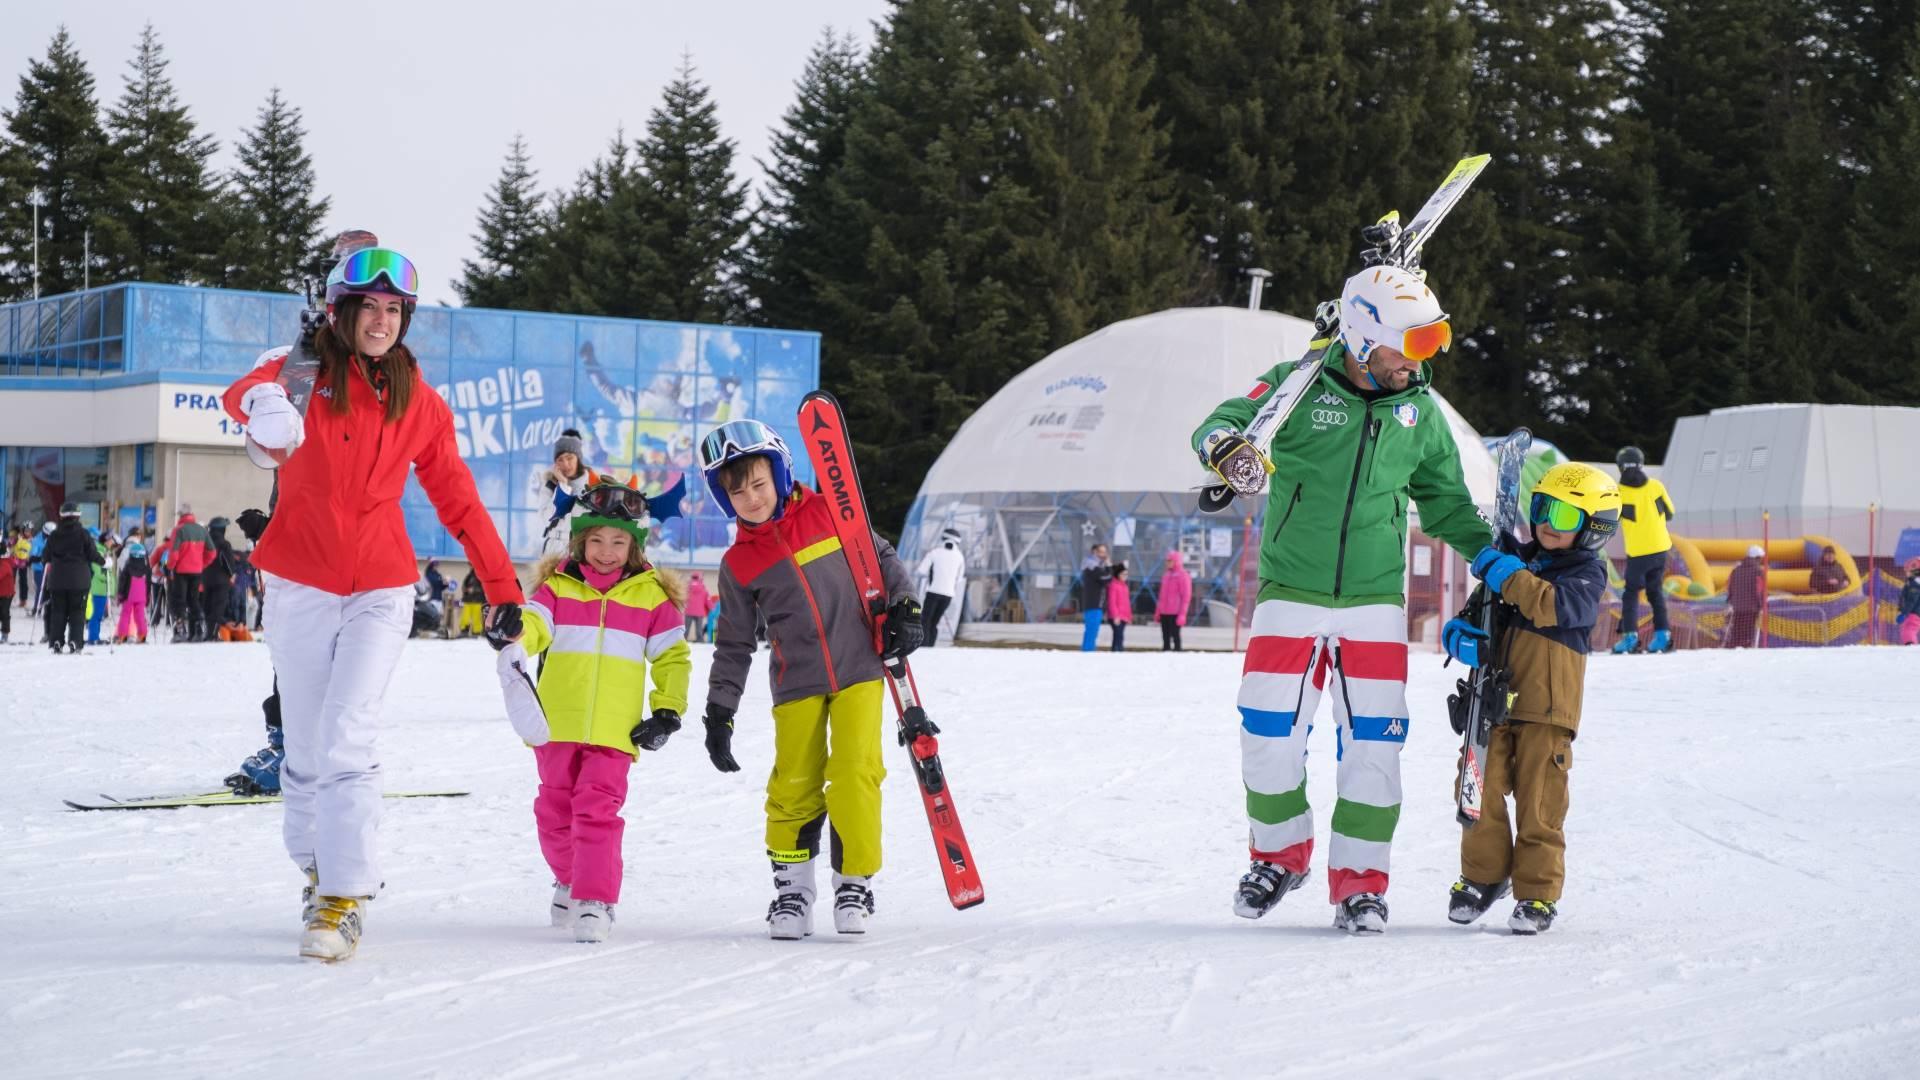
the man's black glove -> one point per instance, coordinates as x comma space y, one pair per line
252, 523
503, 625
904, 632
719, 721
652, 732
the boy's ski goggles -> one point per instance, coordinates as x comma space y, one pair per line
1561, 516
737, 437
616, 501
364, 268
1423, 342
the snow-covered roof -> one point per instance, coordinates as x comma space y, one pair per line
1113, 411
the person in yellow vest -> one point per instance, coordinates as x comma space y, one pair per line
1645, 510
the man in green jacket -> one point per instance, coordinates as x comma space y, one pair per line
1366, 440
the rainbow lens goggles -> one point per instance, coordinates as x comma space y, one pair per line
1558, 515
363, 270
736, 438
1424, 342
616, 501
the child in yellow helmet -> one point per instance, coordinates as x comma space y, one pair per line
1550, 591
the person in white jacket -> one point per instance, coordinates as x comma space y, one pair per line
944, 569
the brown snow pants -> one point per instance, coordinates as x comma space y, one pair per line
1530, 762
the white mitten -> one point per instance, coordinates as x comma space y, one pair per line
272, 420
523, 700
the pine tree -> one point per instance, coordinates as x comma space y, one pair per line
55, 147
273, 240
598, 256
1876, 347
512, 230
697, 217
1548, 73
807, 230
163, 188
1114, 245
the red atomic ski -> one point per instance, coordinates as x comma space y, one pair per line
824, 429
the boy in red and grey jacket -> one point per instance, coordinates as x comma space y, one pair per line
786, 567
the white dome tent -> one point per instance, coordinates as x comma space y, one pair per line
1090, 445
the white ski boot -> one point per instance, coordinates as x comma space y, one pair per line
592, 920
852, 903
790, 916
1262, 887
334, 931
1361, 913
309, 896
562, 908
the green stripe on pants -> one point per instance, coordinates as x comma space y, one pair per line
1361, 821
1274, 809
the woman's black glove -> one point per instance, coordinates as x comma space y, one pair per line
719, 722
504, 625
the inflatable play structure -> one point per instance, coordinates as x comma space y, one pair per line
1699, 568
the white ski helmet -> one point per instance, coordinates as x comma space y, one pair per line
1385, 305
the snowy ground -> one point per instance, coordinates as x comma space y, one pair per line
1741, 903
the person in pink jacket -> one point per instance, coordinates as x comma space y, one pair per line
133, 589
1176, 596
1119, 605
699, 602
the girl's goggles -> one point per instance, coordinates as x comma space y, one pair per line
364, 268
735, 438
616, 501
1558, 515
1423, 342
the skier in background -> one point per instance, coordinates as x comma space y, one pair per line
944, 572
699, 602
216, 579
1746, 596
1645, 509
1551, 591
1095, 572
1828, 576
786, 564
340, 568
1367, 439
564, 483
9, 585
1119, 605
1176, 595
102, 588
70, 555
1908, 620
187, 556
131, 572
37, 559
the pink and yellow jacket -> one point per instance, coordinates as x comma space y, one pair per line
599, 646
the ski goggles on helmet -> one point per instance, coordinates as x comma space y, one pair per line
738, 438
363, 270
615, 501
1424, 342
1556, 514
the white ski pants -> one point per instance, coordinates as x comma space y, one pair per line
334, 656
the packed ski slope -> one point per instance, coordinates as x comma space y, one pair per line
1743, 843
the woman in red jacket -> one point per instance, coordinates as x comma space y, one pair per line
339, 570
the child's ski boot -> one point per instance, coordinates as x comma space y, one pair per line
592, 920
852, 903
1532, 917
1361, 913
1660, 642
790, 916
561, 911
1628, 644
1263, 886
1468, 900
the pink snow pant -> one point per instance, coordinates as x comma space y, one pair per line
1910, 630
333, 657
582, 788
134, 610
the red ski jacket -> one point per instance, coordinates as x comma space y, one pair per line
338, 525
188, 542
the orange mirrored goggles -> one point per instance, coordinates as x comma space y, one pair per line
1423, 342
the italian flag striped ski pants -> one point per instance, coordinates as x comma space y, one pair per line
1359, 654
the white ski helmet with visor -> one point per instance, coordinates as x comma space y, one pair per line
1385, 305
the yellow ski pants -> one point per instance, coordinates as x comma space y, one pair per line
826, 766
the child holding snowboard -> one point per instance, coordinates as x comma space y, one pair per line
786, 565
1550, 594
603, 615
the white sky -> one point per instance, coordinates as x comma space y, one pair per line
409, 107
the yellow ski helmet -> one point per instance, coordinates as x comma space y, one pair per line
1582, 488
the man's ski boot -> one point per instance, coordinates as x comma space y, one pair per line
1468, 900
852, 903
309, 896
1261, 887
334, 930
1661, 642
1628, 644
592, 920
790, 916
1361, 913
1532, 917
561, 910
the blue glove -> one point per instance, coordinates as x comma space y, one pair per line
1462, 641
1495, 567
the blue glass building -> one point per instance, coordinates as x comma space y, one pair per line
109, 398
